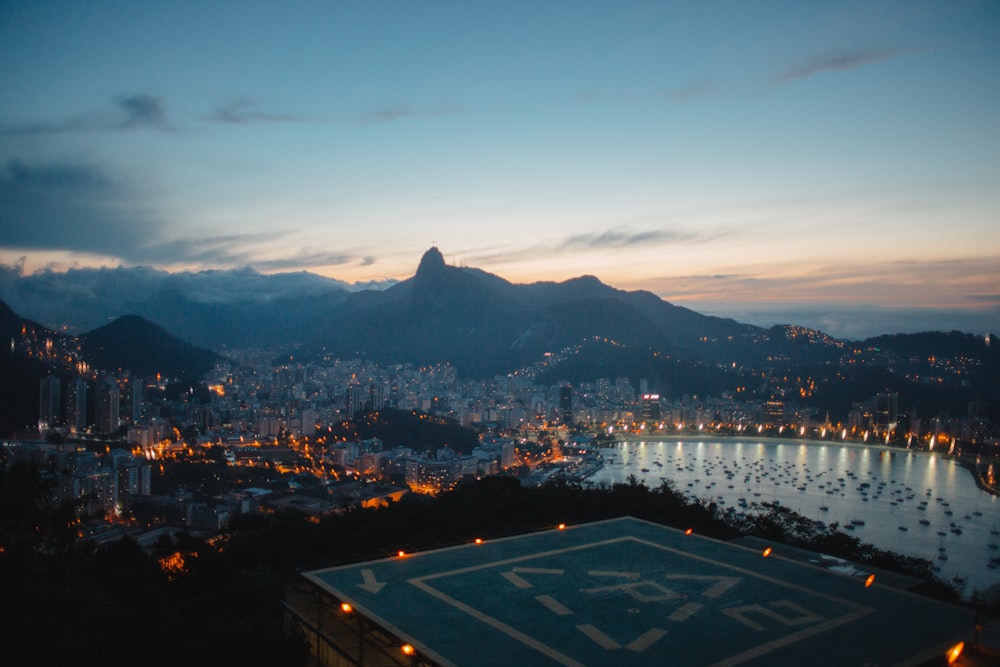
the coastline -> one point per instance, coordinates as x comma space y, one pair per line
969, 464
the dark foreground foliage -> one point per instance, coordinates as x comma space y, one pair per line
221, 603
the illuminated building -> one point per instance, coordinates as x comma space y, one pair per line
650, 407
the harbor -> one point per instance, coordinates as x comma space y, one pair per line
917, 504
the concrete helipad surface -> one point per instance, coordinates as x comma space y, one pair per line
629, 592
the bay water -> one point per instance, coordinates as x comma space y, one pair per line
914, 503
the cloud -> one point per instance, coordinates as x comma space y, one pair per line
80, 208
692, 90
838, 61
617, 238
399, 111
367, 261
241, 111
128, 112
143, 111
304, 259
70, 206
968, 282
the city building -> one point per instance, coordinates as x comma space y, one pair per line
76, 404
566, 404
107, 405
49, 402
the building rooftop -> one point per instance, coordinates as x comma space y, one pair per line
630, 592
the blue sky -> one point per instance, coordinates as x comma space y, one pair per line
752, 159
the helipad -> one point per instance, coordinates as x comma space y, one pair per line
630, 592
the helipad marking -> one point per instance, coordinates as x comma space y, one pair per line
685, 612
554, 605
638, 645
624, 575
739, 614
635, 589
369, 582
499, 625
723, 585
767, 647
514, 575
650, 636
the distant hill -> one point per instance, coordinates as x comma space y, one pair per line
136, 344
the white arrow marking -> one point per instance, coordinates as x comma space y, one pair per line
370, 584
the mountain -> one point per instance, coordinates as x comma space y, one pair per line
136, 344
485, 325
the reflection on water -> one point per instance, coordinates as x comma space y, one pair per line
916, 504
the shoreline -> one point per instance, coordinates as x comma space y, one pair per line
970, 465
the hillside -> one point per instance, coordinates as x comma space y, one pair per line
138, 345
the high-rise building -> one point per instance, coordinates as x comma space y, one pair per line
650, 407
566, 404
107, 407
135, 400
886, 413
356, 399
49, 402
76, 404
774, 412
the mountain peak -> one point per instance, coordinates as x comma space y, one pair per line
431, 263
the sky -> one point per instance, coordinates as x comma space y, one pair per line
835, 162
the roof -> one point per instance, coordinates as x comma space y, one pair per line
631, 592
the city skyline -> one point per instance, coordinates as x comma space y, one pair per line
832, 166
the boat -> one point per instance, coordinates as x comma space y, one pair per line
824, 508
